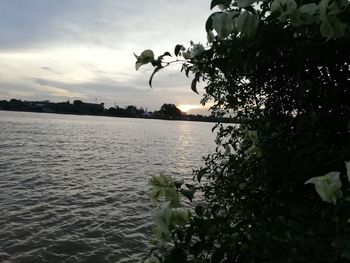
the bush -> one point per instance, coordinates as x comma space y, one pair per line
282, 68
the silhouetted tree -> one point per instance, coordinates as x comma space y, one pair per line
170, 111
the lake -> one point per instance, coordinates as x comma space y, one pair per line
74, 188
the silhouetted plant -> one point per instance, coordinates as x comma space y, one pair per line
282, 68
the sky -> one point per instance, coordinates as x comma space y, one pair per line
83, 49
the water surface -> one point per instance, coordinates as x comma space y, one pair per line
74, 188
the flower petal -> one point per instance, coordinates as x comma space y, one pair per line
334, 179
328, 186
347, 165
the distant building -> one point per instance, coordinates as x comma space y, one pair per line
147, 115
86, 108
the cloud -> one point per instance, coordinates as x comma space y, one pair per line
53, 90
124, 93
116, 24
84, 48
51, 70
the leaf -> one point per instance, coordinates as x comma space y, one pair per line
201, 173
199, 210
138, 64
197, 248
187, 71
203, 229
346, 251
245, 3
188, 193
247, 24
326, 29
177, 255
309, 13
295, 18
309, 9
154, 72
218, 256
166, 54
250, 9
180, 235
194, 83
214, 3
178, 184
136, 56
283, 7
338, 27
152, 259
323, 6
209, 23
177, 49
190, 186
336, 7
223, 23
210, 37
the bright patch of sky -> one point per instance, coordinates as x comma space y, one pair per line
83, 49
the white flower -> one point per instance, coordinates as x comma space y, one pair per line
197, 50
347, 164
186, 54
162, 219
145, 57
328, 186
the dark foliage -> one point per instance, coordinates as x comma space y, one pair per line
290, 89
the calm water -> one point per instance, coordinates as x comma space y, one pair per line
74, 188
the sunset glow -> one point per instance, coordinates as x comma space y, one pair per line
84, 50
188, 107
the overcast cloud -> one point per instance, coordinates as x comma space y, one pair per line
83, 49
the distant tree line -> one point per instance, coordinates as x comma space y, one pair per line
167, 111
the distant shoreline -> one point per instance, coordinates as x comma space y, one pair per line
126, 117
168, 111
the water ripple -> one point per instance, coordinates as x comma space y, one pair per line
74, 188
